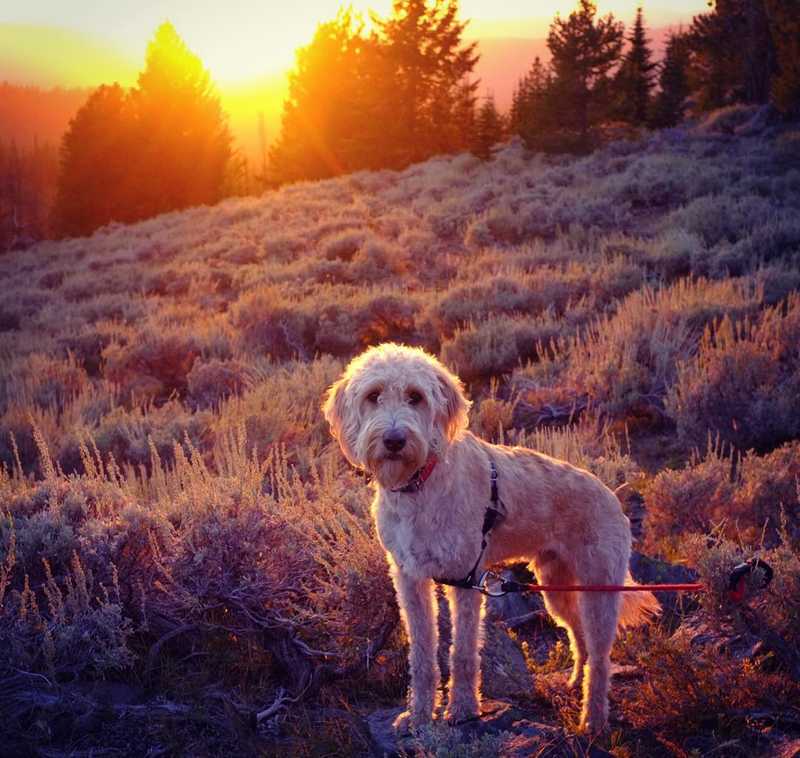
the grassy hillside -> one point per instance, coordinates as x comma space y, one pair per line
177, 521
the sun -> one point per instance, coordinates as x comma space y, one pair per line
241, 49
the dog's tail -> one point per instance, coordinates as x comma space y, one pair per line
637, 608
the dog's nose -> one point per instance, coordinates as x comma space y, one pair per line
394, 440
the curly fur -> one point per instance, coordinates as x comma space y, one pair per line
561, 519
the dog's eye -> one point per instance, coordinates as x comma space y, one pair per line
414, 397
373, 396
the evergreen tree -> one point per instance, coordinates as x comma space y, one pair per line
488, 129
184, 143
429, 69
634, 79
319, 113
534, 116
584, 49
733, 54
784, 24
163, 146
670, 102
96, 155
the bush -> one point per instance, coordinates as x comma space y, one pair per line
498, 345
744, 382
211, 382
743, 500
627, 362
154, 367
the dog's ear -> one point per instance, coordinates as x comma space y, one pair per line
340, 415
453, 407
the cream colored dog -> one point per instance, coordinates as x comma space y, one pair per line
397, 412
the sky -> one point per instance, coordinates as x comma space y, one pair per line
86, 42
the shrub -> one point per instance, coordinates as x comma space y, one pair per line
744, 500
155, 366
498, 345
211, 382
744, 382
626, 362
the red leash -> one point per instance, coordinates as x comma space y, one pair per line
495, 586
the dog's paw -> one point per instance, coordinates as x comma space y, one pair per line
593, 727
408, 723
462, 710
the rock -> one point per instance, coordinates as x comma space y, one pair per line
501, 730
720, 637
646, 570
504, 671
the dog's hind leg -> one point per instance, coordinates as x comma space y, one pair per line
563, 607
418, 609
466, 608
599, 613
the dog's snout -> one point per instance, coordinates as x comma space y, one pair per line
394, 440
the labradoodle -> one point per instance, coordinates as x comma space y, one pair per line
400, 414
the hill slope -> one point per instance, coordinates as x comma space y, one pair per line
159, 422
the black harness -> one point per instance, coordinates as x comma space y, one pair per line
490, 519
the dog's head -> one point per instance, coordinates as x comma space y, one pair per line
392, 407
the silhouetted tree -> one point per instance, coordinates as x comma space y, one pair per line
634, 79
96, 155
183, 139
669, 104
319, 114
488, 129
163, 146
429, 67
733, 55
784, 24
584, 49
385, 100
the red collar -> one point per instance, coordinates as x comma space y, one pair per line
420, 476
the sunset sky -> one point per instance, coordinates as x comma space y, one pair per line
86, 42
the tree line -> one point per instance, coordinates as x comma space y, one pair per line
388, 94
741, 51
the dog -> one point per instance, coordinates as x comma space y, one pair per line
401, 415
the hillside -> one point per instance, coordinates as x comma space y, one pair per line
208, 555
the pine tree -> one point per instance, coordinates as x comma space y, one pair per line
325, 96
429, 72
96, 155
535, 116
733, 53
488, 129
784, 24
584, 49
184, 143
670, 103
634, 79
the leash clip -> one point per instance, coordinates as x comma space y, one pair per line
490, 584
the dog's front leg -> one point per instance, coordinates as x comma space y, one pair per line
419, 615
465, 661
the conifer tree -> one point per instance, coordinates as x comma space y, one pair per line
584, 49
96, 153
670, 103
784, 24
184, 142
634, 80
430, 68
488, 129
319, 115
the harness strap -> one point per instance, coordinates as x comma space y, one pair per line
490, 518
